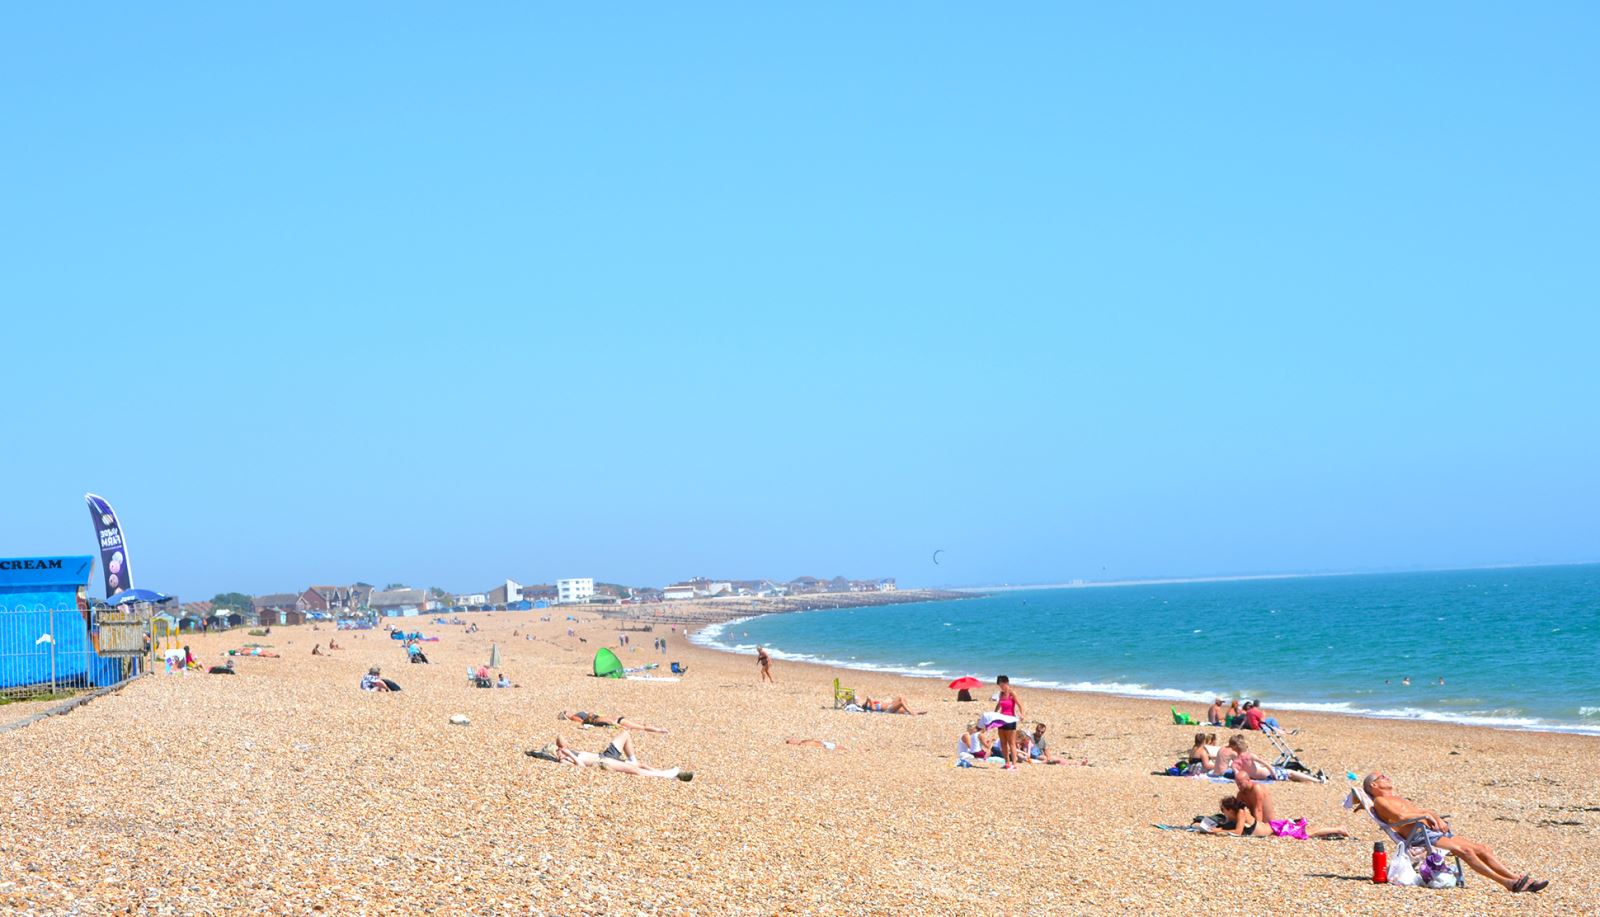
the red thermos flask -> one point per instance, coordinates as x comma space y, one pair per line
1380, 863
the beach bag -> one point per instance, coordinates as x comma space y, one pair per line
1402, 872
1432, 869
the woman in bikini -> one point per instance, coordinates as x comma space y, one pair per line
1200, 753
1240, 822
1008, 705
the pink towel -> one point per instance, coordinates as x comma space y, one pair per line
1284, 827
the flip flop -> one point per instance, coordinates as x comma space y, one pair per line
1537, 885
1522, 884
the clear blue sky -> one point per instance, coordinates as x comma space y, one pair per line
442, 294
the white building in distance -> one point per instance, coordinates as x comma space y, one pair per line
574, 591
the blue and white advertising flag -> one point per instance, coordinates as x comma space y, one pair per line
113, 549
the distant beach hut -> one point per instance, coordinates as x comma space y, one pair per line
606, 664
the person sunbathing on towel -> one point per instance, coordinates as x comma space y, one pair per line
1257, 815
1417, 824
618, 756
1246, 759
595, 719
898, 705
816, 743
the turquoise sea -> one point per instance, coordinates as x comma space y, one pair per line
1516, 647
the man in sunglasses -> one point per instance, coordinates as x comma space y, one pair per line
1418, 825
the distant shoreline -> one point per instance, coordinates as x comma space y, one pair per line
701, 612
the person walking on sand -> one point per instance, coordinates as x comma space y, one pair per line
1008, 705
765, 661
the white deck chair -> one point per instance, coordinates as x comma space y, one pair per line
1358, 799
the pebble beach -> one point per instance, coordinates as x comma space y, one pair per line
286, 790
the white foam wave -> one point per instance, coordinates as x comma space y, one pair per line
709, 637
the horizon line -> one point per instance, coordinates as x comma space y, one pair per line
1248, 577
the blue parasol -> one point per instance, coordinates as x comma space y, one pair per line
137, 595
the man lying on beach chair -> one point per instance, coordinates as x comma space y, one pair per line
1411, 826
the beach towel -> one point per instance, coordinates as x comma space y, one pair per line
991, 720
1289, 827
1227, 777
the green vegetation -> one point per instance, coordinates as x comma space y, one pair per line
233, 601
35, 694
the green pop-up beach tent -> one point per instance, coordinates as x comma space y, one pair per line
606, 664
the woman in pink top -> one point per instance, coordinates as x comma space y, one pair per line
1008, 705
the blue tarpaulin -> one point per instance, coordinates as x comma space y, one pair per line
40, 620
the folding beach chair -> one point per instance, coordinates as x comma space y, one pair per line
842, 695
1286, 755
1358, 799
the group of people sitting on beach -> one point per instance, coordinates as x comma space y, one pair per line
1206, 758
975, 744
1250, 810
1249, 716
